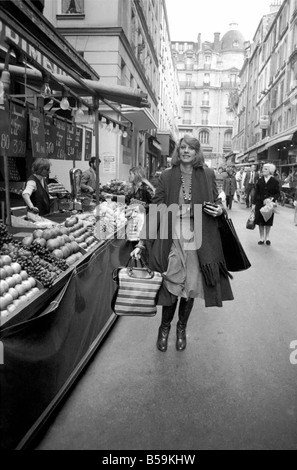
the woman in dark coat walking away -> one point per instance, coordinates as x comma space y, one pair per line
267, 188
184, 242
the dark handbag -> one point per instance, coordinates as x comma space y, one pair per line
250, 224
235, 257
136, 292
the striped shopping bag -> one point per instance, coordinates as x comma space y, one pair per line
136, 292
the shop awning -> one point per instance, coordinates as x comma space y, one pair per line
284, 138
141, 118
116, 93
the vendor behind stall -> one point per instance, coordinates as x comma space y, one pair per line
36, 194
88, 179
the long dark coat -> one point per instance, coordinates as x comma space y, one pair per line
265, 190
167, 193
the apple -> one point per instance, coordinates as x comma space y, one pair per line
3, 273
24, 275
35, 290
8, 269
11, 308
27, 241
18, 278
7, 299
10, 281
20, 289
27, 285
4, 313
13, 293
32, 281
6, 259
71, 221
16, 267
58, 253
47, 234
40, 241
37, 233
23, 298
61, 240
17, 302
4, 286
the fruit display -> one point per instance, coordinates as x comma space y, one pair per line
111, 219
5, 237
115, 187
17, 286
81, 232
36, 260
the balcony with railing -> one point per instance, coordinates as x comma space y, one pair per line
187, 122
187, 84
204, 122
229, 84
205, 102
187, 103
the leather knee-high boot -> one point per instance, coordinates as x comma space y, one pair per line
185, 308
167, 316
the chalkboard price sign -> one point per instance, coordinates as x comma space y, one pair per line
49, 132
37, 134
4, 132
88, 144
18, 131
70, 142
60, 139
78, 143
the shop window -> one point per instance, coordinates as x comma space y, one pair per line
72, 7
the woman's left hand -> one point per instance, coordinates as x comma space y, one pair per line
213, 210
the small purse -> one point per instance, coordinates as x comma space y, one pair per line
235, 257
250, 224
136, 292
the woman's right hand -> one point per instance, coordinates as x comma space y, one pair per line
136, 253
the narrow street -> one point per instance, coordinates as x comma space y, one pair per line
232, 388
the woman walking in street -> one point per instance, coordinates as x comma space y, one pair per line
267, 189
191, 267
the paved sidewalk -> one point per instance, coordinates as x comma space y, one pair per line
232, 388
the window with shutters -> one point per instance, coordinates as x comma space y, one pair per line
204, 137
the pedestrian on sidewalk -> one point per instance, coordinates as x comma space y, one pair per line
249, 183
267, 188
190, 269
229, 187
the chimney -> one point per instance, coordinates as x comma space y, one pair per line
216, 44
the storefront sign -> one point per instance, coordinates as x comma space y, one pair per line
88, 144
32, 51
70, 142
18, 131
264, 121
37, 134
78, 143
4, 132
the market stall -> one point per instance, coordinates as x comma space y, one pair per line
56, 283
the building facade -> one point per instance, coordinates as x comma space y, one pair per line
266, 122
121, 40
208, 76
